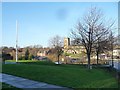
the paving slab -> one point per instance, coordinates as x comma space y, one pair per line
15, 84
38, 85
51, 86
4, 80
20, 82
28, 82
7, 62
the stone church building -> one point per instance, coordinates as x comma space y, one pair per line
75, 49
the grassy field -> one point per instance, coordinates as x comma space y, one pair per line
4, 85
36, 62
7, 86
73, 76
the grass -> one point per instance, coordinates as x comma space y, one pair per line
7, 86
73, 76
4, 85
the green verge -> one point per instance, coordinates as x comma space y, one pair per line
36, 62
7, 86
72, 76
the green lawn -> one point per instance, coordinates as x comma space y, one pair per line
4, 85
73, 76
7, 86
36, 62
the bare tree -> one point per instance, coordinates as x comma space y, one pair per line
75, 41
56, 43
87, 30
101, 46
112, 41
101, 43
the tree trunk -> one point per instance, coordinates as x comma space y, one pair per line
88, 55
66, 60
97, 57
112, 59
58, 59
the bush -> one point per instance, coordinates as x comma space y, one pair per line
30, 57
22, 58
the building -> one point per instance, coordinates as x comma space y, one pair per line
74, 49
116, 53
43, 51
66, 42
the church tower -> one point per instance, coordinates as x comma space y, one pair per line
66, 42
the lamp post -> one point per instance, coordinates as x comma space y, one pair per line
16, 40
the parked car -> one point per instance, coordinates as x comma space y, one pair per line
41, 58
57, 62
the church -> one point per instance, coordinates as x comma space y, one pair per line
73, 49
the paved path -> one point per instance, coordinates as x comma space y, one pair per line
7, 62
26, 83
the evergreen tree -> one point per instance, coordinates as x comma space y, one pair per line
27, 54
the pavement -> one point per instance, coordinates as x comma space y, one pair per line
20, 82
10, 62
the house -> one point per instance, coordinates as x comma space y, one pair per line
43, 52
116, 53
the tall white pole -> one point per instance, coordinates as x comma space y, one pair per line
16, 40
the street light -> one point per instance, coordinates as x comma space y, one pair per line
16, 41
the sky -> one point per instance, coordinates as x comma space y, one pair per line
40, 21
60, 0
